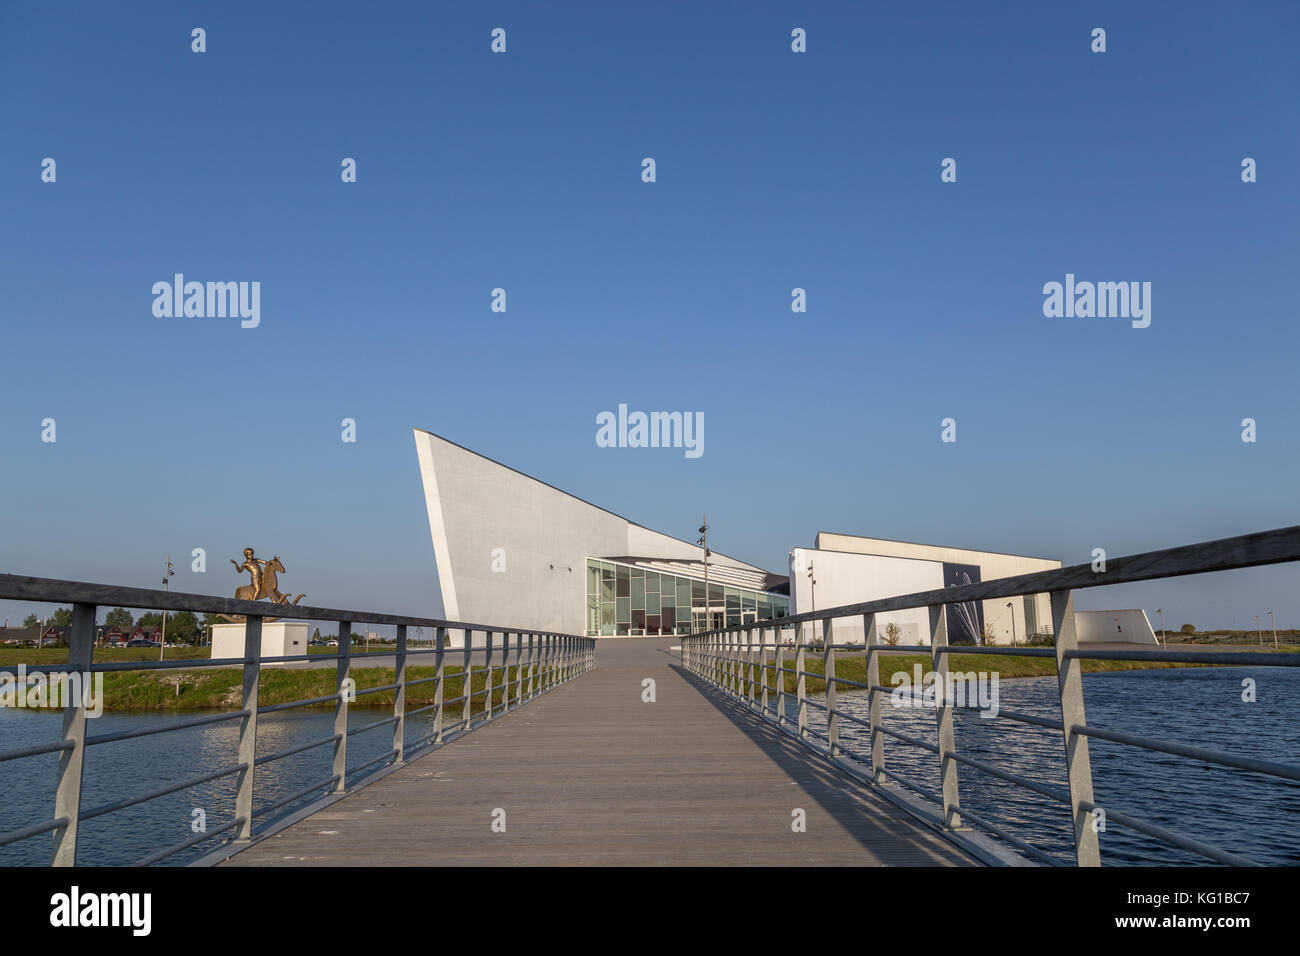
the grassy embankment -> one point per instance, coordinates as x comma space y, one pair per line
220, 687
854, 667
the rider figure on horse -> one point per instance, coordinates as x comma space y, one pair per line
254, 567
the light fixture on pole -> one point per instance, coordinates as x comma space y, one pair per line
1163, 637
168, 571
703, 542
1274, 623
1012, 608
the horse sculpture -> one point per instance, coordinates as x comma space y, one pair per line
265, 584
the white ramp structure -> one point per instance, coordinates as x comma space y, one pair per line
1113, 627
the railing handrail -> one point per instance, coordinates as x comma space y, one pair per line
19, 587
542, 660
1226, 554
725, 658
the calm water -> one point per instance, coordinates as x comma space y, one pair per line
1246, 813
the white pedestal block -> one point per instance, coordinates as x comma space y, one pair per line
279, 639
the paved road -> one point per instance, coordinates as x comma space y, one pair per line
591, 774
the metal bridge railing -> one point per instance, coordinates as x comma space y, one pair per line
541, 661
733, 661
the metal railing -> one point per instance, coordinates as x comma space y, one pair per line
732, 660
542, 660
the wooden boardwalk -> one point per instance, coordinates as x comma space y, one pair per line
590, 774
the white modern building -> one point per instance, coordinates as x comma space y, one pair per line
849, 569
513, 551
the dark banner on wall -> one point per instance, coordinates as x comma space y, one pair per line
966, 620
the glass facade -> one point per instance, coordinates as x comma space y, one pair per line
627, 600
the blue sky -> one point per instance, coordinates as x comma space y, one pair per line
522, 171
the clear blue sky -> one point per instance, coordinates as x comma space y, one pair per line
522, 170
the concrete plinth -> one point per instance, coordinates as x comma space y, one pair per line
279, 639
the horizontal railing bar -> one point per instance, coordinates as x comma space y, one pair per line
305, 702
378, 723
176, 664
917, 788
36, 829
909, 739
290, 751
420, 710
276, 805
1243, 658
1171, 837
376, 690
153, 858
19, 587
177, 725
1052, 793
986, 649
899, 648
997, 831
856, 720
425, 680
370, 763
36, 750
161, 792
1196, 753
1226, 554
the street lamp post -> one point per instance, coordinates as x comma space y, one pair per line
1013, 623
703, 542
1260, 630
1163, 638
168, 571
1272, 621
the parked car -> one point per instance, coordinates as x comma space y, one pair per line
140, 642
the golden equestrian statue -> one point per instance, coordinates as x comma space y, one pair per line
264, 584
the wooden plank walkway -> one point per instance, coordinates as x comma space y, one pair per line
590, 774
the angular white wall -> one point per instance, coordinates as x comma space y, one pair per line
545, 535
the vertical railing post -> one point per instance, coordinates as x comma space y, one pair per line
944, 714
762, 669
505, 674
467, 683
532, 664
399, 697
779, 664
872, 640
439, 681
1078, 764
832, 698
342, 678
487, 675
67, 795
248, 728
801, 685
750, 654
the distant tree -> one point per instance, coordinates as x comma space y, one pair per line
150, 619
892, 633
209, 619
1188, 628
31, 620
182, 628
62, 617
118, 617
